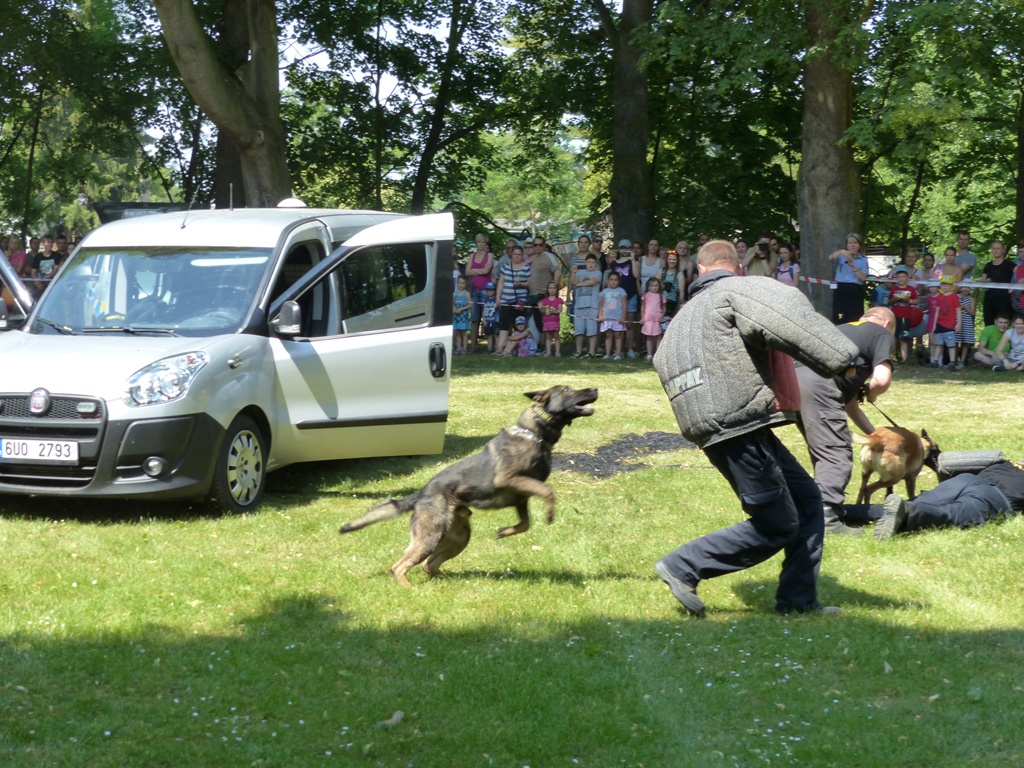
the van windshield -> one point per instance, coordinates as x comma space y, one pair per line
191, 291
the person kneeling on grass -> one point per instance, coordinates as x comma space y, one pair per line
1011, 348
963, 501
989, 340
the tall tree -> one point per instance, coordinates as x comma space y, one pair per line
632, 188
586, 58
244, 103
829, 181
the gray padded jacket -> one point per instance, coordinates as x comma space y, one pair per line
713, 360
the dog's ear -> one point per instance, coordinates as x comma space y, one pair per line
924, 433
541, 396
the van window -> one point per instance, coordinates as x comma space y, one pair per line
187, 290
377, 288
384, 287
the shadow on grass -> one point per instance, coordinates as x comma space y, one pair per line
565, 366
535, 576
310, 680
103, 511
623, 454
761, 595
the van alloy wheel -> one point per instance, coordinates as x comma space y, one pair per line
240, 475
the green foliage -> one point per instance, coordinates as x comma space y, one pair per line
540, 191
936, 126
726, 106
75, 86
361, 122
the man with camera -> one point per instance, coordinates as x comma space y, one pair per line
760, 260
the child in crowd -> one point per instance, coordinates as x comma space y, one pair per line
651, 312
551, 308
586, 284
989, 340
461, 314
610, 313
932, 302
1011, 349
965, 336
490, 317
520, 341
673, 282
947, 322
903, 302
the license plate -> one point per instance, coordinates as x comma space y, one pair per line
38, 451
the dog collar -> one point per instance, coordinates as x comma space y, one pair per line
540, 413
522, 432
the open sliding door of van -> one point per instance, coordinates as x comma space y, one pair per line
367, 372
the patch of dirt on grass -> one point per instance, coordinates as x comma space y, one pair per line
623, 455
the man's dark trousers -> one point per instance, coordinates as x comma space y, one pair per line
824, 424
784, 513
965, 500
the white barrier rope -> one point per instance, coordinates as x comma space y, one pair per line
960, 284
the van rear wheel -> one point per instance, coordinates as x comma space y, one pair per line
240, 475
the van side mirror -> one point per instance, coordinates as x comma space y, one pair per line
287, 322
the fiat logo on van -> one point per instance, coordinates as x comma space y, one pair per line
39, 402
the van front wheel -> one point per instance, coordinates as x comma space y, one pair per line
240, 474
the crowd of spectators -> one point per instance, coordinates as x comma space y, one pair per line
620, 300
38, 263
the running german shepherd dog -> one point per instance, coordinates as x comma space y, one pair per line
895, 454
510, 469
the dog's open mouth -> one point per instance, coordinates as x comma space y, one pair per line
581, 408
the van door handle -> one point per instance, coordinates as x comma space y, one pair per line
438, 360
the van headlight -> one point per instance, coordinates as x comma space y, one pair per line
165, 380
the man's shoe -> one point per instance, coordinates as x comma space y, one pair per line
894, 519
836, 526
815, 607
839, 528
684, 593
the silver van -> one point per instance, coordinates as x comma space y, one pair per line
185, 355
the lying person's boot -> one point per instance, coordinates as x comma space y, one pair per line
834, 525
894, 520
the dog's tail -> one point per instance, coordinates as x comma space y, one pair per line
859, 439
389, 509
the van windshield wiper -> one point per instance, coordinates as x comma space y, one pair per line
132, 330
62, 328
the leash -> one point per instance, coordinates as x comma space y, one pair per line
886, 416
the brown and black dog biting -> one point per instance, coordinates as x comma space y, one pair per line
510, 469
894, 454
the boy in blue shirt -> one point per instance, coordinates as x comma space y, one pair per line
610, 311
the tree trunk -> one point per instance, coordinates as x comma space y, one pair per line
233, 37
632, 185
1019, 218
909, 213
248, 109
829, 182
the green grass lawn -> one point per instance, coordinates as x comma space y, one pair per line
151, 635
